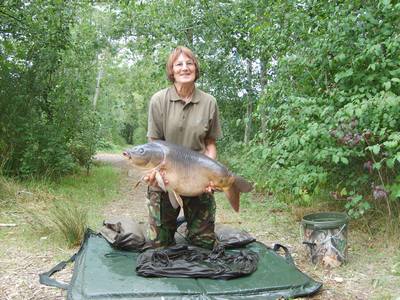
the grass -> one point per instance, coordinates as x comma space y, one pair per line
57, 212
8, 192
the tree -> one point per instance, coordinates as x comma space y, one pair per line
47, 55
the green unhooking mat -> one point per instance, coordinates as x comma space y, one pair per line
102, 272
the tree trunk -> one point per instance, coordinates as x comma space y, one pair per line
189, 36
96, 93
263, 82
249, 112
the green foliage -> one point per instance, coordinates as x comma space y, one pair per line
357, 206
331, 106
45, 154
46, 88
123, 102
395, 189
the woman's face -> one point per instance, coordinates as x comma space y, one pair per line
184, 69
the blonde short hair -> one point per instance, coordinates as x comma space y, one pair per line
174, 55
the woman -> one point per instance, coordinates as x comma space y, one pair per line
183, 114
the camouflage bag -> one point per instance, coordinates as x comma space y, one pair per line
124, 233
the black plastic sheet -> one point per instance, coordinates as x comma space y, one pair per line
193, 262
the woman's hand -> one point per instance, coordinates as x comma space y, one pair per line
211, 187
151, 179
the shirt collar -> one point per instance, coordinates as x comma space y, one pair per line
175, 97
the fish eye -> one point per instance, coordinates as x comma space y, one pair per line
141, 150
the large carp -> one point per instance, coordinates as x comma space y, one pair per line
187, 172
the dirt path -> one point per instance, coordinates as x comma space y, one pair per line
132, 202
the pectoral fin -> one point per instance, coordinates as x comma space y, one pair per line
137, 184
175, 199
160, 181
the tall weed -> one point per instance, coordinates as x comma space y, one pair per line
71, 221
7, 192
57, 210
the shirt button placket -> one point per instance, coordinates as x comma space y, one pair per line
183, 118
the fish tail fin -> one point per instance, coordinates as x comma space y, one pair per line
242, 184
233, 195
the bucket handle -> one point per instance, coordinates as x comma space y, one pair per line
335, 235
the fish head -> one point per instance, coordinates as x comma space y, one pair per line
146, 156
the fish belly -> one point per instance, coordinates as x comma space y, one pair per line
190, 184
188, 172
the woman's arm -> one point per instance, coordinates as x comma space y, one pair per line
211, 148
211, 151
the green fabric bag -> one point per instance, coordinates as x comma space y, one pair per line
102, 272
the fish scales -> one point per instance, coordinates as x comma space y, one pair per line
187, 172
191, 170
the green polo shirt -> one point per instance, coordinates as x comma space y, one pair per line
187, 124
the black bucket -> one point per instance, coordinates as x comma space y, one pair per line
325, 235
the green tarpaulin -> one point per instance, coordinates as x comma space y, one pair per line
101, 272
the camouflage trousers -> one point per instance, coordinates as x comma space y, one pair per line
199, 214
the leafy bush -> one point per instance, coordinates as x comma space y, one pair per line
45, 96
45, 153
332, 109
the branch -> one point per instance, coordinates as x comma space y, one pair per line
8, 225
12, 17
